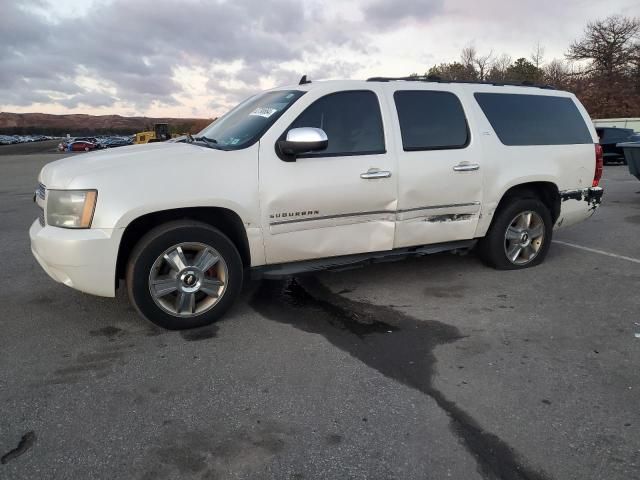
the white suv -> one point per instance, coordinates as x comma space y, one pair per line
319, 175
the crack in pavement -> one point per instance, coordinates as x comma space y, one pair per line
26, 442
396, 345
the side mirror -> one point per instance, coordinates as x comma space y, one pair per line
302, 140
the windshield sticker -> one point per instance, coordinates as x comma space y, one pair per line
265, 112
235, 141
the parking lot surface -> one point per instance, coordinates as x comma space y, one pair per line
433, 368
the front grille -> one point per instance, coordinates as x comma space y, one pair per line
41, 194
41, 191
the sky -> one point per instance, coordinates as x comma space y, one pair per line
198, 58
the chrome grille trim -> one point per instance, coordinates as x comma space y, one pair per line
40, 196
41, 191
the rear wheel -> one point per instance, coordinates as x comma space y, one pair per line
519, 236
184, 274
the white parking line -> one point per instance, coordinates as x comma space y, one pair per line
601, 252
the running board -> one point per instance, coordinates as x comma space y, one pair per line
347, 262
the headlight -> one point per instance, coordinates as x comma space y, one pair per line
71, 208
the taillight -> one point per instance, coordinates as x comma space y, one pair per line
597, 175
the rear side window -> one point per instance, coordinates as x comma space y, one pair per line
534, 119
351, 120
431, 120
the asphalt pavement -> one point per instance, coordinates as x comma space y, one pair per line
428, 368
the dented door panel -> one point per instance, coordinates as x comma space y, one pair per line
439, 190
435, 224
335, 240
321, 206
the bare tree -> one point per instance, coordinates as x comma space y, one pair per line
499, 67
635, 66
556, 73
607, 44
474, 62
468, 56
537, 56
483, 63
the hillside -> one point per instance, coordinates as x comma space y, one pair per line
78, 124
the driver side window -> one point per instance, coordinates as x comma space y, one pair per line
351, 120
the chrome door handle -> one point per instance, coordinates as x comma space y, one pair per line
466, 167
375, 173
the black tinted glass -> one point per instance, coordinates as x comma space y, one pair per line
430, 120
351, 120
534, 119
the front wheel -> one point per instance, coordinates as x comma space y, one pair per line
184, 274
519, 236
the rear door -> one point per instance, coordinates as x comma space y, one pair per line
439, 165
334, 202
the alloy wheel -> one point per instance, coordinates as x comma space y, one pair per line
524, 238
188, 279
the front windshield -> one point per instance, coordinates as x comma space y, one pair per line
246, 123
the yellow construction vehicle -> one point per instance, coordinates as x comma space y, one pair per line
160, 133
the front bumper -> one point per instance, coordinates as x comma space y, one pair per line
81, 259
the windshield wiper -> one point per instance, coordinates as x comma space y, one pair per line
205, 139
208, 142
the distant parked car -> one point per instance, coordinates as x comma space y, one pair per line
81, 146
88, 143
609, 137
86, 139
110, 142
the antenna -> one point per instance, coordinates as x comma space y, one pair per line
304, 81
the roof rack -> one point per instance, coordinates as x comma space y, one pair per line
436, 79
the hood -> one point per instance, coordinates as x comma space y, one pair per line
135, 158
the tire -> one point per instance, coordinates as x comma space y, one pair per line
177, 261
510, 221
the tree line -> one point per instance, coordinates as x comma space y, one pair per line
602, 68
193, 127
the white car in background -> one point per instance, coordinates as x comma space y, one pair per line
319, 175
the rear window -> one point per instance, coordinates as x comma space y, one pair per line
431, 120
534, 119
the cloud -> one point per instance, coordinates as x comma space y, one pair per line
146, 55
132, 49
388, 14
90, 99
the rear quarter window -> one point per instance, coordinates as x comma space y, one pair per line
534, 119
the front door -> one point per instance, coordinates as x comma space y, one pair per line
439, 168
338, 201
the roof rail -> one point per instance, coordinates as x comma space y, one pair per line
436, 79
